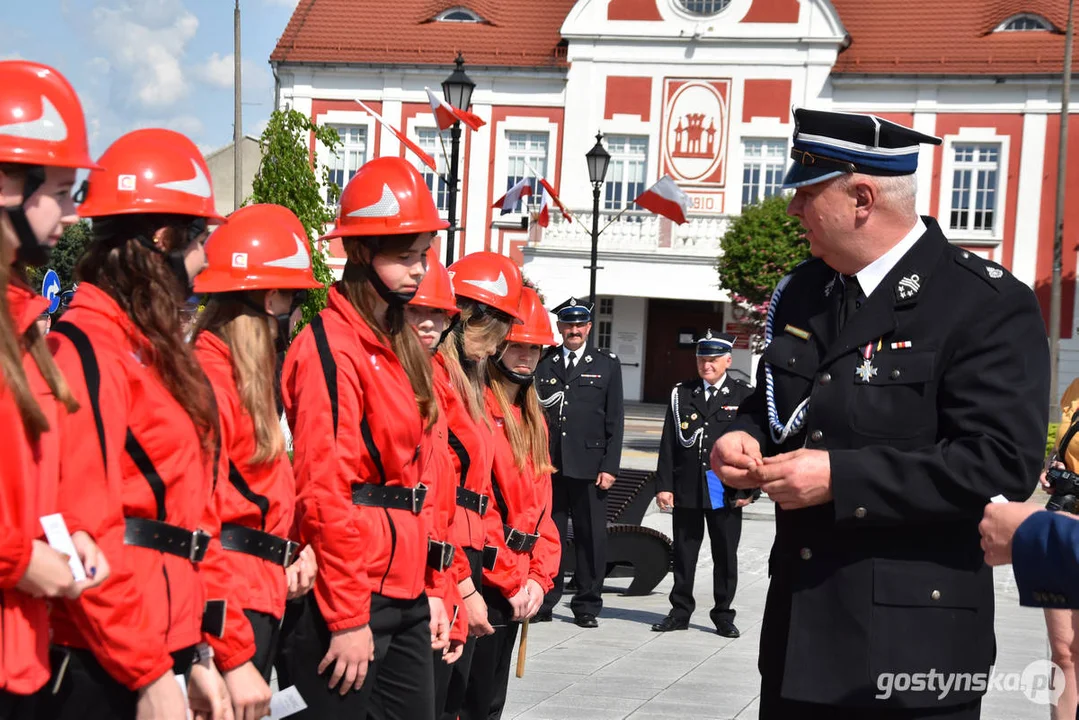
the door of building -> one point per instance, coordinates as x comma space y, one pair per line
670, 354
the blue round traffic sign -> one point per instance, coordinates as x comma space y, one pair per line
50, 290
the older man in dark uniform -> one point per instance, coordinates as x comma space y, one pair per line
699, 411
904, 384
581, 390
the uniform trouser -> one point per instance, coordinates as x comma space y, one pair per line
451, 681
398, 685
490, 674
724, 533
267, 630
587, 505
85, 691
16, 707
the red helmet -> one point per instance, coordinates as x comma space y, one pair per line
386, 196
436, 290
537, 323
150, 171
41, 118
489, 278
263, 247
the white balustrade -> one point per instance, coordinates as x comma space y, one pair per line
634, 232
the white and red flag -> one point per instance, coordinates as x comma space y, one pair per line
667, 199
446, 115
543, 218
554, 196
423, 156
510, 200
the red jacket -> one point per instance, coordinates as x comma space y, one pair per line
470, 451
360, 549
527, 498
152, 603
28, 476
241, 493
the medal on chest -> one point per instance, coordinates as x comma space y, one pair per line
865, 371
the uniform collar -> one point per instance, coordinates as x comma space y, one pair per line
717, 386
25, 305
343, 306
581, 351
871, 275
209, 342
91, 298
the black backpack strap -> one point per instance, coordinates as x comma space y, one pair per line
329, 366
91, 372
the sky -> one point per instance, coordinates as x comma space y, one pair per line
153, 63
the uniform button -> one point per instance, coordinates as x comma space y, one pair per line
706, 424
563, 433
566, 402
895, 374
825, 378
817, 436
567, 387
806, 553
858, 513
791, 362
935, 594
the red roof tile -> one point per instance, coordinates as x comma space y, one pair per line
517, 33
954, 37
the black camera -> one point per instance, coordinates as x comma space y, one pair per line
1065, 487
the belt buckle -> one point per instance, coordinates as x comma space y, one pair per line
447, 554
200, 540
419, 493
484, 500
516, 539
291, 553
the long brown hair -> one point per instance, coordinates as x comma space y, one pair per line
403, 340
250, 339
487, 329
527, 438
140, 282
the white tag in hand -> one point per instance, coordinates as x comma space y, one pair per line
286, 702
998, 499
60, 540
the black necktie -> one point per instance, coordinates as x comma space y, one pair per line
572, 360
711, 394
851, 295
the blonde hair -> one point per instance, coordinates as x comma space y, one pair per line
527, 438
405, 342
250, 339
486, 330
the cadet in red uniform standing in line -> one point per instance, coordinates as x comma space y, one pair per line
254, 265
357, 392
137, 463
529, 548
487, 287
37, 170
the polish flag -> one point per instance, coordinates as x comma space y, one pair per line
446, 115
554, 196
544, 216
667, 199
509, 201
423, 156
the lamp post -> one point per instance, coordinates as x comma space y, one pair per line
598, 159
457, 89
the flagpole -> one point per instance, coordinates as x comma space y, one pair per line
620, 212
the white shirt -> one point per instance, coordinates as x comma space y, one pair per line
870, 276
718, 384
566, 353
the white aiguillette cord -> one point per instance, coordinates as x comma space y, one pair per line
779, 431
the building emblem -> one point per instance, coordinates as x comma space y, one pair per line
695, 129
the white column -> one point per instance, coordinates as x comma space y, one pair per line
477, 183
1024, 263
925, 122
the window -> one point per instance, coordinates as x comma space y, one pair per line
527, 158
625, 174
350, 156
764, 162
604, 322
427, 138
1024, 21
459, 14
704, 7
975, 179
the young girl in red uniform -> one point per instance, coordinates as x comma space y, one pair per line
254, 265
357, 392
488, 289
137, 462
37, 171
521, 516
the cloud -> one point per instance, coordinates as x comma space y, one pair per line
218, 71
291, 4
11, 56
146, 40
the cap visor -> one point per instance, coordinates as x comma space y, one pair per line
801, 175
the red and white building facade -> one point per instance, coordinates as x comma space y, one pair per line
701, 90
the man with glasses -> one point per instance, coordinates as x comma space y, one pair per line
581, 390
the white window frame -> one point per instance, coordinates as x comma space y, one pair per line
342, 117
977, 136
501, 167
782, 164
628, 194
1042, 22
604, 319
442, 198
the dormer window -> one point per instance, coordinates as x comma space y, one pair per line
1025, 22
458, 14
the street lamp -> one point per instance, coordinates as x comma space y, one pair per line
457, 89
598, 159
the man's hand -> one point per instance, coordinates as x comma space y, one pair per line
519, 603
733, 458
998, 527
161, 700
301, 574
453, 653
477, 612
604, 481
798, 479
350, 652
249, 692
665, 500
48, 574
535, 598
440, 624
93, 561
208, 694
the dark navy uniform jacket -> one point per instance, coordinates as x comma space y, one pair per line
1045, 559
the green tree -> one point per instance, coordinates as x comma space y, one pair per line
65, 256
287, 177
761, 246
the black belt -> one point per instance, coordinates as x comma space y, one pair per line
277, 550
163, 537
472, 501
439, 554
490, 557
520, 541
384, 496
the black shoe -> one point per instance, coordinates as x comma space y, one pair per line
671, 623
542, 616
586, 620
727, 629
